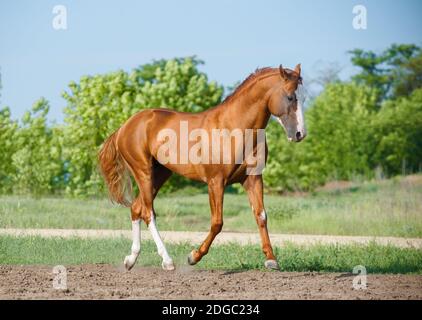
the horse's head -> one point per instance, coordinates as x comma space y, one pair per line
285, 104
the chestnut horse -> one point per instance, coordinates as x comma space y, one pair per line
134, 149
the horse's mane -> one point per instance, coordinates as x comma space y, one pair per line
249, 80
252, 78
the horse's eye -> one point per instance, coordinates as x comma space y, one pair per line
290, 98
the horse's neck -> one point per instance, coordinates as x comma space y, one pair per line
250, 109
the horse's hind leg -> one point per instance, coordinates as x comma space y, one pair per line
149, 182
160, 175
167, 262
130, 260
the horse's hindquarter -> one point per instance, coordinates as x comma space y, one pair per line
139, 138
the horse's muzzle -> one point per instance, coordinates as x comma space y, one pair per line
300, 136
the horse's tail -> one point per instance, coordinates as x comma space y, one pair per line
115, 172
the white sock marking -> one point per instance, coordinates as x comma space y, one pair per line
136, 237
136, 245
162, 251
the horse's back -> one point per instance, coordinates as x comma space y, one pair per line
162, 117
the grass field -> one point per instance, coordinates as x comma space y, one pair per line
54, 251
381, 208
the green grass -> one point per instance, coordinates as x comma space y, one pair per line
382, 208
324, 258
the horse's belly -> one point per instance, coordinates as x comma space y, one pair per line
232, 173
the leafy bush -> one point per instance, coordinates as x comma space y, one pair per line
37, 164
398, 132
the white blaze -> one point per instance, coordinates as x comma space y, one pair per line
299, 112
300, 120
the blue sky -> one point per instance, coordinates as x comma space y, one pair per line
232, 37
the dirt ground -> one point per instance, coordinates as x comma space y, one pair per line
112, 282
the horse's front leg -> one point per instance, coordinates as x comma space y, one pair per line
216, 195
254, 187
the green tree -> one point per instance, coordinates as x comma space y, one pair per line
180, 86
339, 125
37, 162
290, 166
398, 132
338, 145
0, 85
408, 77
384, 72
8, 132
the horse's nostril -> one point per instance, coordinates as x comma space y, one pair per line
298, 135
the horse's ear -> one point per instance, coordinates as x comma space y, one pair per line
282, 72
298, 69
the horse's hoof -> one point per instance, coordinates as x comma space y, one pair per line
191, 259
129, 262
272, 264
168, 266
